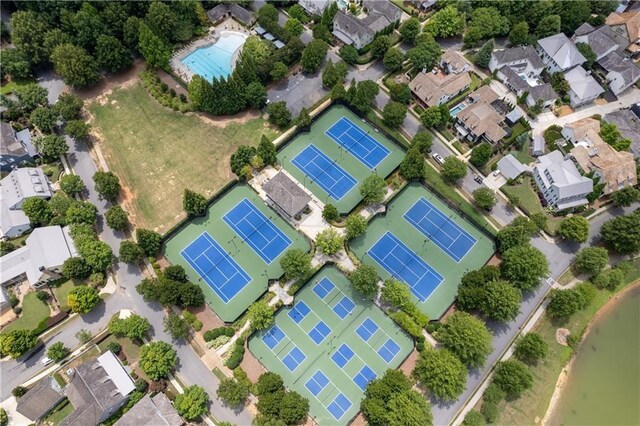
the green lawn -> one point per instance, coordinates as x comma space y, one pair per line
157, 152
34, 311
534, 403
11, 86
62, 293
523, 155
530, 203
130, 348
61, 411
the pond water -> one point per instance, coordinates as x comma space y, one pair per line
603, 387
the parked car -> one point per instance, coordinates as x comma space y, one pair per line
438, 158
46, 360
497, 172
478, 179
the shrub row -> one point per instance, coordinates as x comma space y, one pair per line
235, 355
194, 322
210, 335
161, 93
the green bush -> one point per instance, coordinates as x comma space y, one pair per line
210, 335
489, 411
406, 323
196, 325
236, 355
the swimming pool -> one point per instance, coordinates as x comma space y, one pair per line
455, 110
215, 60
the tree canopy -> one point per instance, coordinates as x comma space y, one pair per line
591, 260
193, 203
574, 228
513, 377
192, 403
622, 234
524, 266
157, 360
82, 299
295, 264
453, 169
260, 314
466, 337
531, 348
365, 279
107, 185
441, 372
393, 114
373, 189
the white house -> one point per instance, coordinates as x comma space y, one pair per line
621, 72
583, 87
523, 60
315, 7
17, 186
558, 53
360, 31
602, 40
559, 181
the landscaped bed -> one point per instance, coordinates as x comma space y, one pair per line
157, 152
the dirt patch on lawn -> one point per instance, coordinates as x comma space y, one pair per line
113, 81
564, 110
410, 363
224, 120
251, 365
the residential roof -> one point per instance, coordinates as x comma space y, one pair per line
40, 399
629, 126
24, 183
151, 411
430, 87
519, 54
47, 247
562, 51
614, 62
583, 29
564, 175
453, 59
581, 127
602, 40
11, 218
510, 167
380, 14
483, 120
269, 36
278, 44
96, 386
538, 143
514, 80
259, 30
631, 20
582, 83
543, 92
286, 194
238, 12
484, 93
9, 144
216, 13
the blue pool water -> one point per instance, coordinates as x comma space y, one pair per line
215, 60
455, 110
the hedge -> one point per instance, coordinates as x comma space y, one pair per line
407, 323
210, 335
236, 355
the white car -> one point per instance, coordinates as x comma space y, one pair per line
438, 158
496, 173
46, 360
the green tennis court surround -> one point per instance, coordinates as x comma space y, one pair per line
353, 154
430, 233
329, 345
221, 255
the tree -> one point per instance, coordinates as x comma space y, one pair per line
609, 279
303, 120
269, 382
466, 337
480, 155
355, 225
365, 279
501, 301
611, 135
6, 247
193, 203
107, 185
484, 54
330, 213
313, 55
484, 198
591, 260
27, 35
83, 299
134, 327
334, 74
155, 50
380, 46
400, 92
44, 118
83, 336
72, 185
413, 165
111, 54
453, 169
531, 348
442, 373
621, 234
279, 71
338, 92
51, 146
130, 252
422, 141
445, 23
349, 54
15, 63
524, 266
58, 351
294, 408
294, 26
513, 377
232, 393
37, 210
409, 29
563, 303
16, 343
69, 106
267, 151
97, 254
626, 196
473, 418
157, 360
519, 34
117, 218
574, 228
4, 418
176, 326
82, 212
373, 189
426, 54
31, 97
241, 158
559, 83
393, 59
362, 95
588, 53
485, 22
260, 314
394, 114
329, 241
76, 268
75, 65
435, 116
149, 241
192, 403
256, 95
279, 114
548, 26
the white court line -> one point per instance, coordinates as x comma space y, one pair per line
348, 362
311, 311
367, 341
326, 406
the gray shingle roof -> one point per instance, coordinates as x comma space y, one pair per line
40, 399
156, 411
582, 83
238, 12
562, 50
9, 144
543, 92
286, 194
380, 15
602, 40
510, 167
629, 71
629, 126
522, 53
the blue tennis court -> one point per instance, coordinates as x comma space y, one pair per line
317, 383
215, 266
299, 312
357, 142
440, 229
319, 332
402, 263
273, 336
344, 307
265, 238
294, 358
333, 179
339, 406
367, 329
389, 350
343, 355
323, 288
364, 376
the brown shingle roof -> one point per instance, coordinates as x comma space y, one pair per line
40, 399
430, 88
151, 411
629, 19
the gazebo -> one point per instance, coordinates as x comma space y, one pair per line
286, 195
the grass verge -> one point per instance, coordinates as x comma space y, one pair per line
59, 413
34, 311
14, 85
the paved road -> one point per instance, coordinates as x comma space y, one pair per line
560, 256
190, 368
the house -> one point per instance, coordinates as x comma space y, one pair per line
483, 118
40, 259
40, 399
560, 182
510, 167
616, 169
98, 388
523, 60
15, 147
538, 94
15, 188
537, 145
583, 87
627, 25
359, 32
621, 72
234, 10
153, 411
315, 7
453, 63
602, 40
629, 126
577, 131
421, 5
436, 88
558, 53
286, 195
